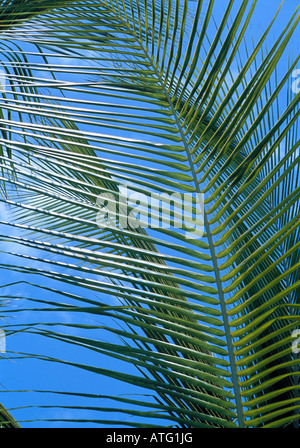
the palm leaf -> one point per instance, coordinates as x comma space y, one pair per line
136, 93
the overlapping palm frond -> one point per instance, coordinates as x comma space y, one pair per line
101, 95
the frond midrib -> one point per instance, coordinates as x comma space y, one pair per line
231, 355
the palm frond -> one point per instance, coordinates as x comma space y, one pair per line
105, 94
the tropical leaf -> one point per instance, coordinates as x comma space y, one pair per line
106, 95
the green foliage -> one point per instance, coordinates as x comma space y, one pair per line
104, 93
